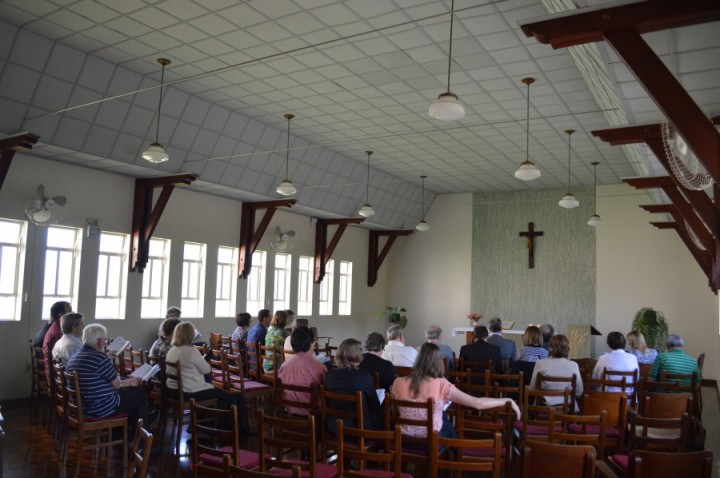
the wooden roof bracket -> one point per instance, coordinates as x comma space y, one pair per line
323, 250
621, 26
9, 146
146, 217
375, 260
703, 259
249, 236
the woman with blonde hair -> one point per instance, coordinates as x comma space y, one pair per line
638, 347
532, 349
427, 381
275, 338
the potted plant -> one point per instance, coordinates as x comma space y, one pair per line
652, 324
394, 315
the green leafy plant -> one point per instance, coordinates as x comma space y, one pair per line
394, 315
652, 324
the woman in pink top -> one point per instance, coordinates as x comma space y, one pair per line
427, 381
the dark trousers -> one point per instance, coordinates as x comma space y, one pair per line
133, 401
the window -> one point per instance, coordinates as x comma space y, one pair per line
155, 279
305, 285
326, 289
256, 283
193, 280
62, 266
345, 289
281, 296
12, 260
111, 280
226, 287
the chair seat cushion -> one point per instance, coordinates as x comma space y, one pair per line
621, 461
535, 430
119, 416
484, 452
322, 470
251, 386
659, 433
610, 432
246, 459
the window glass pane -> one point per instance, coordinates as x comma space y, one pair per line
345, 289
155, 278
193, 283
62, 265
226, 287
305, 285
326, 289
12, 261
281, 296
256, 283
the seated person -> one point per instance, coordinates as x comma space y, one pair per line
288, 345
617, 360
193, 368
275, 339
638, 347
481, 351
103, 393
372, 361
532, 349
70, 343
160, 347
347, 378
433, 334
427, 381
507, 347
321, 358
396, 351
242, 322
303, 370
557, 365
675, 361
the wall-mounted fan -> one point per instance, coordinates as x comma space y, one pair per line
48, 205
684, 165
283, 241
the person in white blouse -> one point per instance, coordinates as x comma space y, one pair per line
396, 351
616, 360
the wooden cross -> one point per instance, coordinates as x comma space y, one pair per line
531, 234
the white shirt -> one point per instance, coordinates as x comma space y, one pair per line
399, 354
616, 360
66, 347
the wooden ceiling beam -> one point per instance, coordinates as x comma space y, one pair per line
375, 260
250, 236
146, 216
9, 146
323, 250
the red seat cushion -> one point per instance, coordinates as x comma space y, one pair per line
381, 474
484, 452
251, 386
322, 470
246, 459
621, 461
610, 432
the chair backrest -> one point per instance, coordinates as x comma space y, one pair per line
140, 453
59, 389
526, 368
126, 361
648, 464
215, 341
299, 399
269, 354
579, 429
571, 382
659, 434
551, 459
585, 365
233, 471
613, 403
470, 424
218, 369
381, 455
401, 371
280, 439
645, 386
666, 405
210, 433
476, 366
138, 358
465, 458
509, 385
645, 369
701, 361
172, 372
536, 414
415, 418
252, 358
348, 407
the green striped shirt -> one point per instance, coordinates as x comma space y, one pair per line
675, 361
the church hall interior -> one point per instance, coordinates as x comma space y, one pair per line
83, 97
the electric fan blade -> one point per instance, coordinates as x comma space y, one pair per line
60, 200
40, 192
278, 232
290, 233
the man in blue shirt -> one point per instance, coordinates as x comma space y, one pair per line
258, 331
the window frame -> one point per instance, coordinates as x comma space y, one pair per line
16, 275
65, 253
121, 297
162, 261
226, 272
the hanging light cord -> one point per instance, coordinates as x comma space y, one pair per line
422, 199
569, 133
527, 125
162, 82
452, 16
367, 184
287, 152
595, 188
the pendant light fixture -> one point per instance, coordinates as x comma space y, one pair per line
286, 187
155, 153
595, 220
527, 170
447, 107
423, 226
568, 201
367, 210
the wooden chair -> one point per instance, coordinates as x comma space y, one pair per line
299, 400
269, 376
238, 382
645, 369
478, 384
579, 429
252, 359
406, 414
286, 353
688, 382
140, 452
551, 459
175, 401
586, 366
648, 464
138, 358
666, 405
40, 387
285, 442
218, 373
509, 385
98, 429
50, 378
527, 369
615, 405
535, 421
471, 425
479, 366
234, 471
346, 407
401, 371
215, 341
215, 433
465, 456
60, 405
645, 387
380, 459
571, 382
125, 361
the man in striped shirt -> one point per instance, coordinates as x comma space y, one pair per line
103, 393
675, 360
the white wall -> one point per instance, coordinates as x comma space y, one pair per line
189, 216
642, 266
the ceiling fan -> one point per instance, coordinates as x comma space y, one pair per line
47, 205
284, 241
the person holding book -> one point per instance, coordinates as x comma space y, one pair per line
70, 343
163, 343
104, 394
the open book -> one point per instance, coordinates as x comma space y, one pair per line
145, 371
118, 345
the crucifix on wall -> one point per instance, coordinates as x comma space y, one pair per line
531, 234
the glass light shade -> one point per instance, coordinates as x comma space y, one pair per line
594, 221
155, 153
286, 188
366, 211
527, 171
422, 226
447, 108
568, 201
